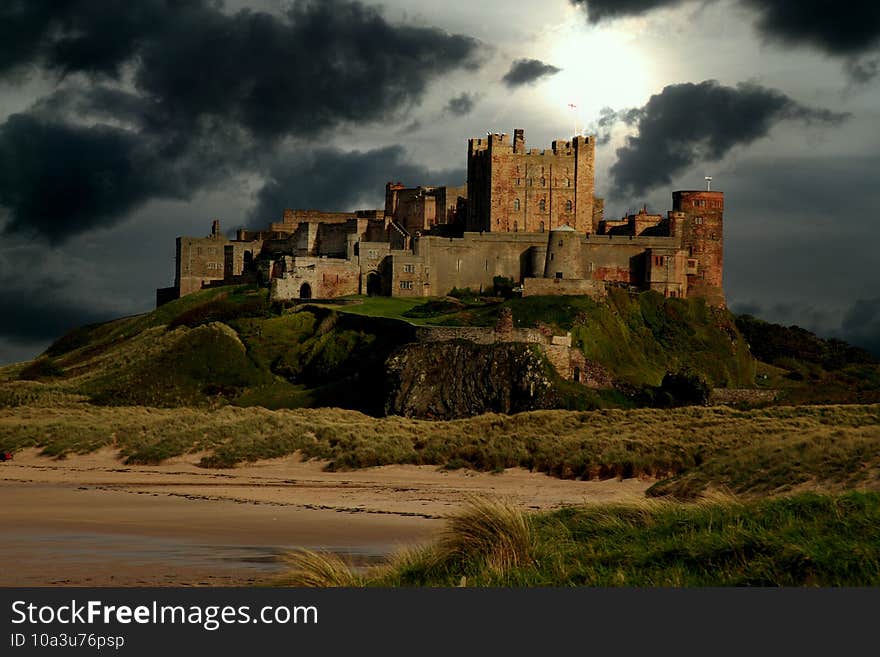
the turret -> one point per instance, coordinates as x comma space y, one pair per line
563, 254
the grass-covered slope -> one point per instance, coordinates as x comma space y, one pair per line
225, 345
230, 345
803, 540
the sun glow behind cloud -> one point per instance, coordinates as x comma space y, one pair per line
602, 66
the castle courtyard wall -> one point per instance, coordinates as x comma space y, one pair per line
474, 260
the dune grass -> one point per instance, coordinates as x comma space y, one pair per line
801, 540
692, 449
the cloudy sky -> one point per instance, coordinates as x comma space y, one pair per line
124, 125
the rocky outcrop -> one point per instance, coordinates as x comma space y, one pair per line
460, 379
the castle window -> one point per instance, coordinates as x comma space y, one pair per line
568, 182
516, 204
569, 206
406, 285
698, 220
518, 182
543, 205
372, 254
542, 227
543, 182
515, 227
528, 182
409, 269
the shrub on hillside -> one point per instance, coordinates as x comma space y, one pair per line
685, 388
41, 368
772, 343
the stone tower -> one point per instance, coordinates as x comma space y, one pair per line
512, 189
699, 219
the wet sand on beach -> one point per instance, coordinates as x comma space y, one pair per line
90, 520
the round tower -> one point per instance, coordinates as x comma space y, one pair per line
701, 227
563, 254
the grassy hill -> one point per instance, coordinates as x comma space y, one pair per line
232, 346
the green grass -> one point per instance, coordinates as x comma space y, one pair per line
802, 540
389, 307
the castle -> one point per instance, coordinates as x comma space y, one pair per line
527, 215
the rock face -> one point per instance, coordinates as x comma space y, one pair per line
460, 379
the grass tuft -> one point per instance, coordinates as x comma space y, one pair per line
490, 529
318, 570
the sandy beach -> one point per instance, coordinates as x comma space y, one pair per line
90, 520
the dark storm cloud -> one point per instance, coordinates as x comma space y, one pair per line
602, 10
847, 29
800, 239
689, 123
213, 94
461, 105
861, 325
321, 63
40, 307
840, 28
39, 315
330, 179
58, 179
526, 71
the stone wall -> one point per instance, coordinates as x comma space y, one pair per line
475, 259
533, 287
316, 278
737, 396
479, 334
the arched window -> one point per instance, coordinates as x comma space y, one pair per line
569, 206
516, 204
543, 205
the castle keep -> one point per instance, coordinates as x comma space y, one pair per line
527, 215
